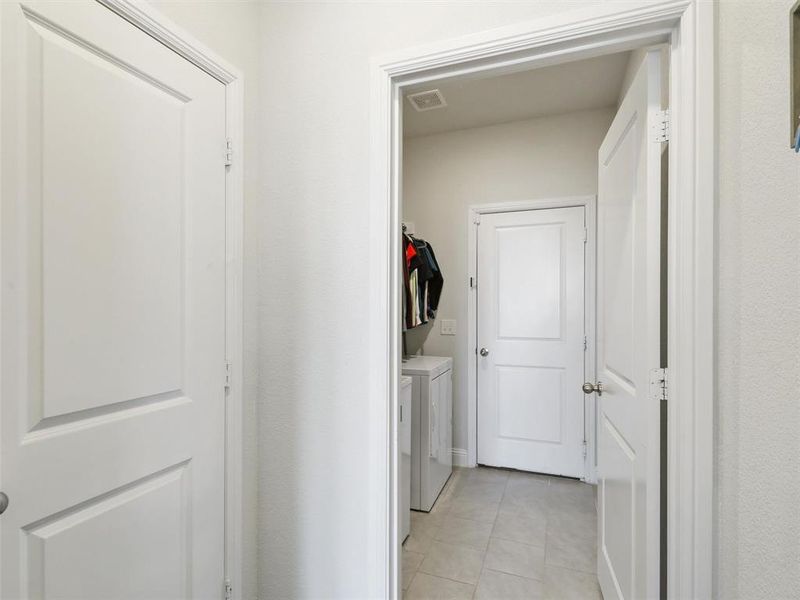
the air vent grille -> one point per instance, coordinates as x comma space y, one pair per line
430, 100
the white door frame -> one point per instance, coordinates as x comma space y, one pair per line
153, 23
589, 203
689, 27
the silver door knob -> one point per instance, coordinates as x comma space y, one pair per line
3, 503
484, 352
591, 388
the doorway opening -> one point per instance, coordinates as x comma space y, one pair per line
687, 28
508, 300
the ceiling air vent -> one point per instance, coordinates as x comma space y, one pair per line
429, 100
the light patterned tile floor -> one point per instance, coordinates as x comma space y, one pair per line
504, 535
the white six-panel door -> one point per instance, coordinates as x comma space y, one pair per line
113, 311
531, 330
628, 321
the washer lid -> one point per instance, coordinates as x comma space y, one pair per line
427, 365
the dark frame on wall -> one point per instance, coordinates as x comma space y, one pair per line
794, 73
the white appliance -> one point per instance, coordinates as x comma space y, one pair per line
431, 427
404, 434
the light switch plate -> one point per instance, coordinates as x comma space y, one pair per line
447, 327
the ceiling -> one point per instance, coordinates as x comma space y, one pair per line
559, 89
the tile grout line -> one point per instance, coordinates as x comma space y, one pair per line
489, 541
450, 483
516, 575
497, 537
445, 578
457, 488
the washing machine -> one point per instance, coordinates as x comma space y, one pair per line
404, 437
431, 427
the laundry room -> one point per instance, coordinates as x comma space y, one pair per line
499, 219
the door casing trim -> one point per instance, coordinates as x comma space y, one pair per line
156, 25
689, 27
589, 204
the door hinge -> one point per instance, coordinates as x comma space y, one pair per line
584, 449
228, 589
228, 152
585, 235
658, 384
585, 343
472, 283
477, 219
661, 127
227, 376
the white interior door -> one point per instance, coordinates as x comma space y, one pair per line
113, 311
530, 340
628, 321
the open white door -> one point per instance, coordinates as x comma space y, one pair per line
628, 268
113, 311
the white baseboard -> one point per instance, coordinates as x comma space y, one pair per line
460, 457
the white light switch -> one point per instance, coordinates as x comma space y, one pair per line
447, 327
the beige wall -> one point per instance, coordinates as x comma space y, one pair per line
231, 28
445, 174
758, 323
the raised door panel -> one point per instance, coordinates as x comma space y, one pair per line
617, 258
113, 310
148, 519
530, 404
618, 500
111, 229
530, 292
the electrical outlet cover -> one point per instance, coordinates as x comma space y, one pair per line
447, 327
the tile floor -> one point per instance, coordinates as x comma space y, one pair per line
499, 535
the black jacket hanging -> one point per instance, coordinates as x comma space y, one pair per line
422, 282
435, 284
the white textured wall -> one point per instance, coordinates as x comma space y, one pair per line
444, 174
313, 284
314, 395
758, 325
231, 28
312, 118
